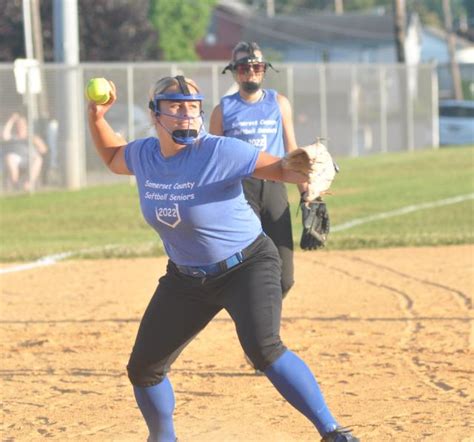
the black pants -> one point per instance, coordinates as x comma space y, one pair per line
269, 200
183, 305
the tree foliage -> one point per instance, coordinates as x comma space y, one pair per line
12, 42
116, 30
431, 11
108, 30
180, 25
469, 7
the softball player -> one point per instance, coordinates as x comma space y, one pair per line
261, 117
190, 191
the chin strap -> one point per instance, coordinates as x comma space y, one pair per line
184, 136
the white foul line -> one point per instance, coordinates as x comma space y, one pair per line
52, 259
401, 211
44, 261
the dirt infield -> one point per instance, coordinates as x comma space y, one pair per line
388, 334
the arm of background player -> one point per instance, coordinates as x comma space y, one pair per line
215, 124
289, 137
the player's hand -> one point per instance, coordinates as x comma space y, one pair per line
97, 111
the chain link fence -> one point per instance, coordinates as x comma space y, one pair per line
359, 109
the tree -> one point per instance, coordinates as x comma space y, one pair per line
116, 30
180, 25
399, 25
469, 7
109, 30
12, 41
469, 32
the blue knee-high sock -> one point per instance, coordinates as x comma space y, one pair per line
157, 405
295, 382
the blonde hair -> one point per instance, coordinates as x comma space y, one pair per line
170, 83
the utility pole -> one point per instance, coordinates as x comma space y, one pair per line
270, 8
399, 27
66, 52
38, 52
451, 40
406, 103
339, 7
29, 98
27, 29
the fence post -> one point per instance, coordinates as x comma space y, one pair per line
383, 110
435, 106
323, 102
30, 123
354, 108
71, 88
409, 108
130, 103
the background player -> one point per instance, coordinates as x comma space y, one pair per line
261, 117
185, 179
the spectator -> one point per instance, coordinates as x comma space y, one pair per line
16, 154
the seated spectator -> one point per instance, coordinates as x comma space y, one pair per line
16, 156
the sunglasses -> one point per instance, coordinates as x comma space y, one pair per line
244, 68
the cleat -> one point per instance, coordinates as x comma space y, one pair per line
340, 435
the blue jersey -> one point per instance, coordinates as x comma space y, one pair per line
194, 199
257, 123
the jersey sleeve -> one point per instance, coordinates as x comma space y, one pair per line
134, 154
129, 156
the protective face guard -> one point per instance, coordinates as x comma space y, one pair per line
180, 136
251, 59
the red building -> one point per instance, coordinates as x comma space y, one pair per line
226, 29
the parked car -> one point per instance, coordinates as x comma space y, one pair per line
456, 122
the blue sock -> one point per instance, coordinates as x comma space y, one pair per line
157, 405
295, 382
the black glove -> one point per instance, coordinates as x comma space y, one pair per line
315, 224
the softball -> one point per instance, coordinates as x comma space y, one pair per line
98, 90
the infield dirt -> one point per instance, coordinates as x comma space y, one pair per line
388, 334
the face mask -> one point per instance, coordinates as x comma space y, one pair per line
250, 86
184, 136
179, 136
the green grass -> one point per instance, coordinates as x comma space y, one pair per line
55, 222
90, 219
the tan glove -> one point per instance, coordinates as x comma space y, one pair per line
322, 173
316, 163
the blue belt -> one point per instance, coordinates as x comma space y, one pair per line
218, 267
